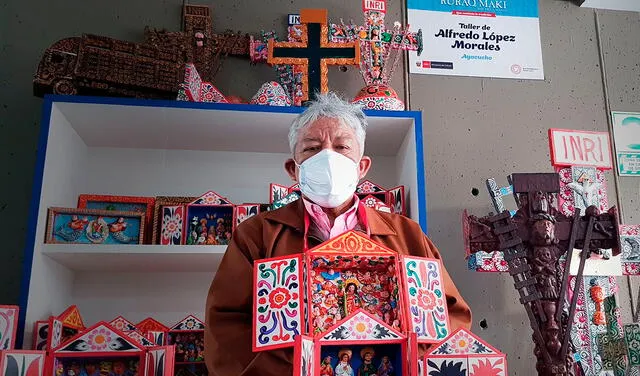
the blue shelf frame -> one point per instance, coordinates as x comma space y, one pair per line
42, 147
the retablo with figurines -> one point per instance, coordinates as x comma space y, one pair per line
349, 293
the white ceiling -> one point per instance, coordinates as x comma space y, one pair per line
629, 5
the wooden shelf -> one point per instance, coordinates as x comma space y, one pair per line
142, 124
136, 258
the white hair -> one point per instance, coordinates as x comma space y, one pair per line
331, 106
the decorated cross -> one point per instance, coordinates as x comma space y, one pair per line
377, 42
533, 241
314, 52
580, 159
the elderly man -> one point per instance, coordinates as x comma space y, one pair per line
327, 145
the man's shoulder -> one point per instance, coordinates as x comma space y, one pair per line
403, 234
398, 221
252, 223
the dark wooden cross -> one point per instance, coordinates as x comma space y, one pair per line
533, 240
314, 53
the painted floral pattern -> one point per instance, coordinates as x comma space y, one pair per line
278, 313
122, 325
566, 176
461, 343
190, 323
365, 187
56, 336
426, 299
279, 298
210, 200
271, 94
370, 202
172, 226
361, 329
489, 262
568, 208
99, 339
446, 367
485, 367
171, 230
427, 311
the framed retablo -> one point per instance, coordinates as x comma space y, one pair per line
173, 219
209, 221
122, 204
187, 337
93, 226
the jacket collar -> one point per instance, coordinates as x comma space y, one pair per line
292, 215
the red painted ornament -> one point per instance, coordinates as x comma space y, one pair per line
379, 97
598, 297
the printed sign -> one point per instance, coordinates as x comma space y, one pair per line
481, 38
294, 19
626, 135
375, 5
580, 148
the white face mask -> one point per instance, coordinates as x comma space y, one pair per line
328, 178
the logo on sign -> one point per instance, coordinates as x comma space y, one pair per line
294, 19
516, 69
378, 5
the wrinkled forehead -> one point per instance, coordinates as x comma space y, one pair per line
325, 127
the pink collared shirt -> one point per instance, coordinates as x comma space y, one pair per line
321, 226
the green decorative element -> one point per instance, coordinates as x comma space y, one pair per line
441, 328
413, 291
289, 269
263, 309
438, 293
411, 273
291, 197
293, 304
613, 349
632, 340
267, 274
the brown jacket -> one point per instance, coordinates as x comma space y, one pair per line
228, 313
